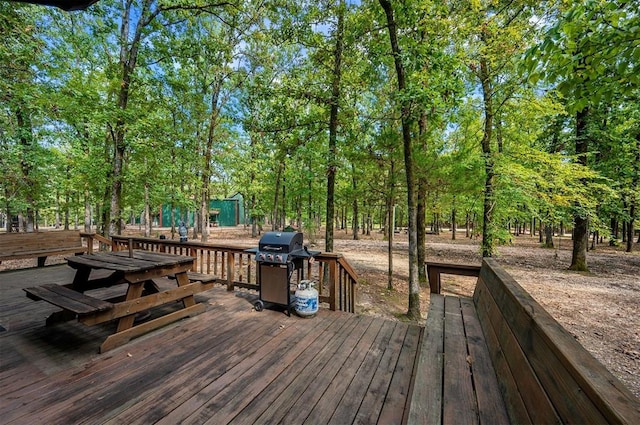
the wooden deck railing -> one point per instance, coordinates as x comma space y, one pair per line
336, 279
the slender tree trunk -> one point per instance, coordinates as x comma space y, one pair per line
333, 128
467, 226
390, 232
414, 285
87, 209
548, 233
283, 206
487, 95
634, 197
23, 122
356, 223
274, 218
128, 59
532, 227
580, 222
66, 209
7, 208
147, 211
173, 219
56, 224
206, 173
252, 203
453, 223
254, 217
390, 219
421, 205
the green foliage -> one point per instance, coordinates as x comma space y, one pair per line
591, 53
271, 66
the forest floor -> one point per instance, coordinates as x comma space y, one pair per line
600, 308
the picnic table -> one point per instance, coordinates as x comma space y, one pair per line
135, 268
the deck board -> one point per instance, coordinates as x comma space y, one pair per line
229, 364
459, 406
272, 406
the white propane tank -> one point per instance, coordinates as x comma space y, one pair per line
306, 299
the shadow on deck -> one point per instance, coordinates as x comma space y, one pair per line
228, 365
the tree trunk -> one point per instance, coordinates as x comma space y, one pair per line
87, 209
9, 213
390, 221
548, 233
206, 173
421, 205
173, 219
414, 285
252, 202
356, 223
23, 122
467, 226
66, 209
147, 211
390, 232
580, 223
274, 217
453, 224
487, 95
56, 223
333, 128
128, 59
634, 197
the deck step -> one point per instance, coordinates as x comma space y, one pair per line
67, 299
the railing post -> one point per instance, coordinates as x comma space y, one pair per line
231, 270
333, 287
194, 253
90, 244
354, 289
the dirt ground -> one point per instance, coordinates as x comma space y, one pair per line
601, 308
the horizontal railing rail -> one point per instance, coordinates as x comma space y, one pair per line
232, 266
92, 238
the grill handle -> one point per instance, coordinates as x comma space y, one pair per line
272, 248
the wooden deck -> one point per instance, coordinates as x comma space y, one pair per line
227, 365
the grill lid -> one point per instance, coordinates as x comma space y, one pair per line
280, 242
281, 248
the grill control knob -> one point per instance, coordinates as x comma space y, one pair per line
270, 257
261, 256
279, 259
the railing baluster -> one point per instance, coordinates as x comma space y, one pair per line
339, 290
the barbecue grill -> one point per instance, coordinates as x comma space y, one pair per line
277, 256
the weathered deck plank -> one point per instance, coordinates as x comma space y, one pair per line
458, 399
228, 365
272, 403
372, 403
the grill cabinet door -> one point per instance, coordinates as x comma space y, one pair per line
274, 284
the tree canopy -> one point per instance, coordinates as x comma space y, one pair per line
487, 114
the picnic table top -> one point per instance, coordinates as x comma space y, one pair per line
121, 261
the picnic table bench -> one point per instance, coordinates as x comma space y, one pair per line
499, 357
40, 245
